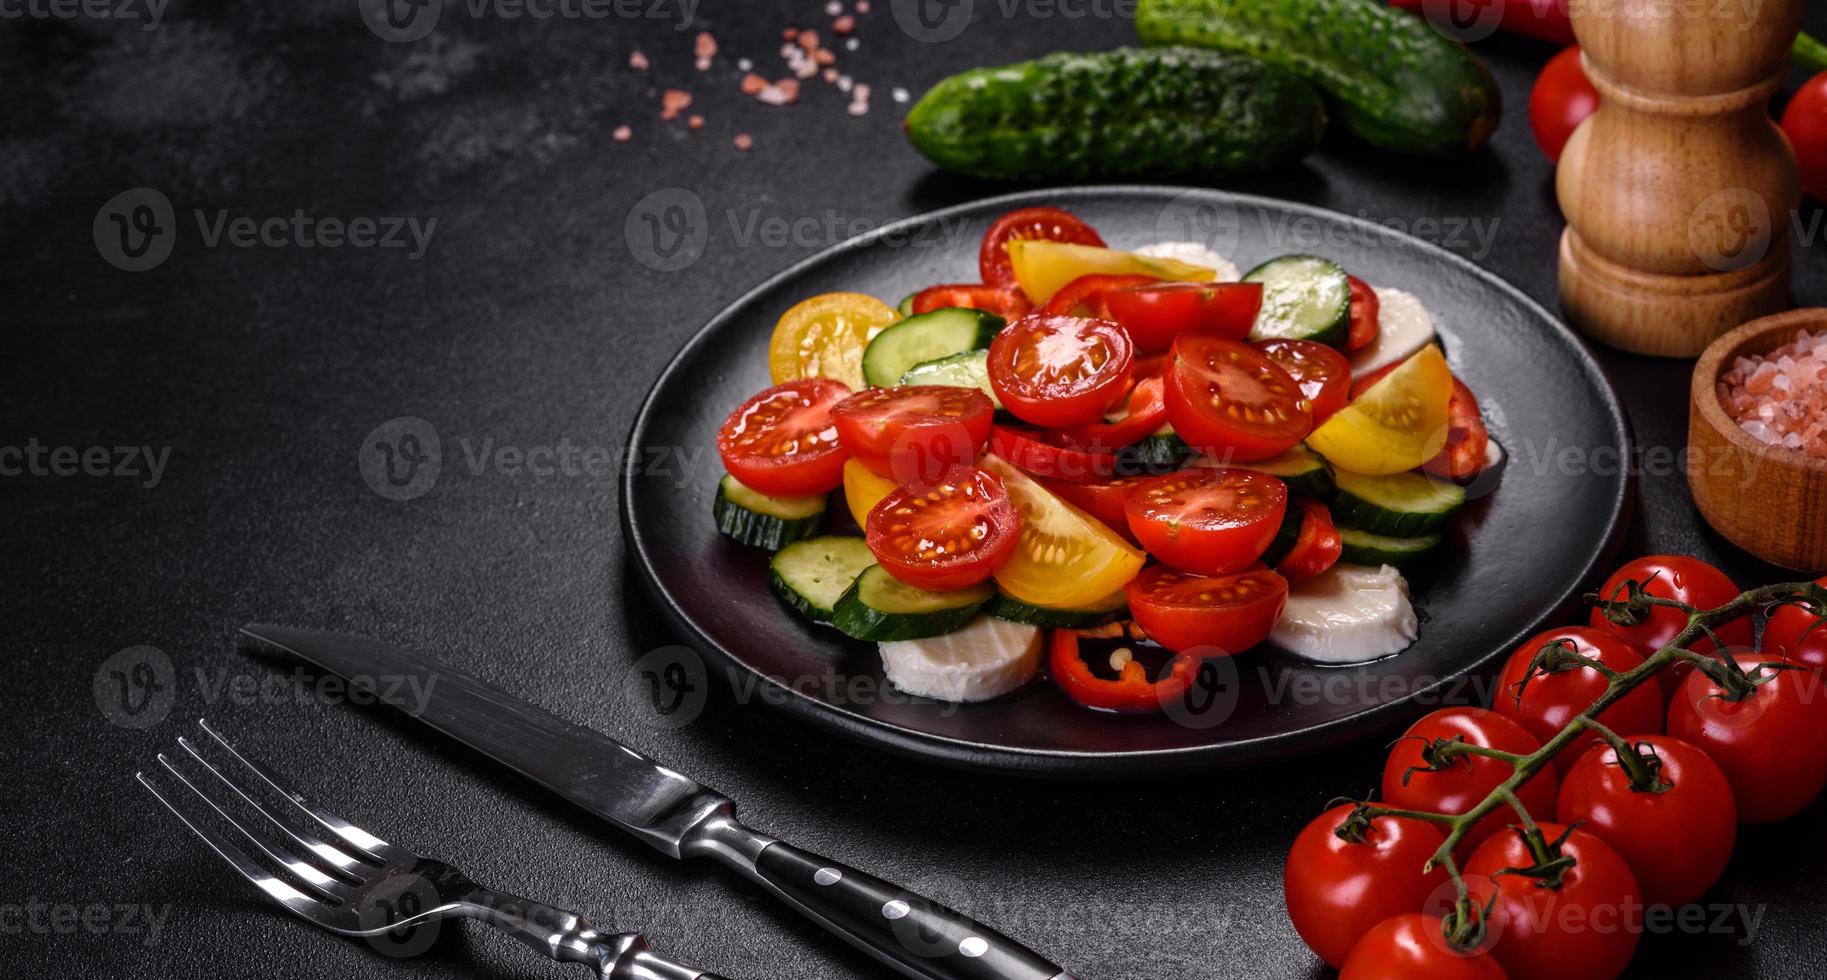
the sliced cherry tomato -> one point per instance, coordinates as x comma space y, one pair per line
1060, 370
1365, 308
1323, 374
824, 337
1346, 873
1208, 521
1799, 635
1545, 698
1044, 268
1067, 559
1103, 500
1412, 945
1583, 922
783, 441
1683, 579
1463, 456
1028, 451
1562, 99
1772, 744
1087, 295
1131, 691
1212, 616
1317, 548
1232, 403
1144, 413
863, 490
915, 433
1008, 303
949, 534
1154, 314
1675, 831
1028, 224
1467, 779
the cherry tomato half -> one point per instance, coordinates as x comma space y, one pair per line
1337, 886
1552, 698
1155, 314
1323, 374
783, 441
1026, 450
1463, 456
1562, 99
1805, 123
1103, 500
1413, 945
1366, 309
1060, 370
1771, 745
1086, 295
1793, 632
949, 534
1677, 837
1006, 302
1208, 521
1232, 403
1684, 579
1210, 616
1470, 778
915, 433
1587, 927
1049, 224
1318, 547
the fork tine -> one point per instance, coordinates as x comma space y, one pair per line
337, 859
316, 880
367, 844
275, 888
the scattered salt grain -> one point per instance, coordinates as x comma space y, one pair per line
783, 92
833, 8
807, 40
622, 134
844, 82
704, 48
1781, 398
862, 6
752, 84
743, 141
900, 94
829, 75
824, 56
674, 101
637, 61
843, 25
789, 33
858, 108
695, 121
851, 44
744, 64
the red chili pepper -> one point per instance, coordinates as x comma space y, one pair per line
1545, 19
1131, 692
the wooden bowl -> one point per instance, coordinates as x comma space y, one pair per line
1768, 500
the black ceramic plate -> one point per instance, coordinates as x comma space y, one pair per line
1514, 557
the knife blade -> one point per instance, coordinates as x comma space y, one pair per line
666, 809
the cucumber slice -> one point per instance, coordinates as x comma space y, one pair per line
1402, 504
1286, 537
1162, 452
812, 574
1304, 297
1302, 469
1108, 610
1364, 548
969, 369
905, 306
878, 606
762, 521
926, 337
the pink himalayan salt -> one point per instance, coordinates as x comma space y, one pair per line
783, 92
637, 61
843, 25
622, 134
752, 84
743, 141
862, 6
674, 101
695, 121
1781, 397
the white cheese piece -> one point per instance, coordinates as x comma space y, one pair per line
1349, 614
1404, 327
1196, 254
986, 659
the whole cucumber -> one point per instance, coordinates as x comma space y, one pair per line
1395, 82
1133, 112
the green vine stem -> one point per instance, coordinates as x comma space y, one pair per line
1809, 53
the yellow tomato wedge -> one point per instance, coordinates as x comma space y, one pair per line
1065, 559
863, 489
824, 337
1394, 426
1042, 268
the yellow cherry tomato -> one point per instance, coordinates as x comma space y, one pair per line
1065, 558
824, 337
1397, 424
1043, 268
863, 489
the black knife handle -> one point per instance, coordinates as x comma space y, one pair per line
917, 935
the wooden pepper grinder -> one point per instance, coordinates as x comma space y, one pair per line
1678, 190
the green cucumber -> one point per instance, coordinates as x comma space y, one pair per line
762, 521
970, 369
1304, 297
905, 306
1365, 548
1401, 504
926, 337
1132, 112
1304, 471
1108, 610
1162, 452
1286, 536
880, 607
1391, 78
812, 574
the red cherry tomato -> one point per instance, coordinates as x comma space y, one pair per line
1406, 947
1684, 579
1103, 500
1086, 295
1060, 370
1155, 314
1024, 449
1805, 123
1323, 374
1232, 403
1470, 778
1317, 548
1210, 616
1550, 698
1365, 310
1676, 838
1006, 302
1144, 413
1463, 456
1792, 632
949, 534
1208, 521
1028, 224
783, 441
1587, 927
915, 433
1771, 745
1338, 887
1562, 99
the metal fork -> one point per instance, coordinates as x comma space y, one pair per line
373, 888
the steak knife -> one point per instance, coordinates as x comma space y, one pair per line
669, 811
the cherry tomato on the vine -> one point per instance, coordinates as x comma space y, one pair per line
1555, 695
1562, 99
1414, 946
1060, 370
1585, 926
1048, 224
1468, 779
1772, 744
1337, 887
1795, 633
1805, 123
1683, 579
